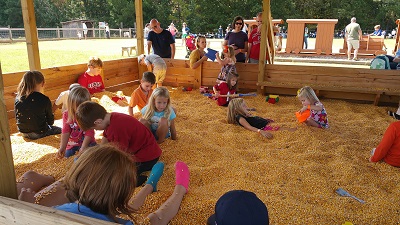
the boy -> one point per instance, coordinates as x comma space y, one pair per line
156, 65
62, 99
141, 95
91, 79
128, 133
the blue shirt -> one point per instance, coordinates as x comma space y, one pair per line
85, 211
156, 118
161, 43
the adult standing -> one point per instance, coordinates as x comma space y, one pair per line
237, 39
220, 31
161, 40
306, 37
197, 57
353, 35
107, 31
172, 29
147, 30
253, 53
185, 32
85, 30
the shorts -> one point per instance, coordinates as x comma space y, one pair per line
160, 74
85, 31
184, 36
353, 44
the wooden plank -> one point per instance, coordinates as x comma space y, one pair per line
21, 213
139, 26
7, 174
31, 35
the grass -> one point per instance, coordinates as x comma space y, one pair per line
14, 57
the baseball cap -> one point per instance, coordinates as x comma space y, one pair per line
239, 207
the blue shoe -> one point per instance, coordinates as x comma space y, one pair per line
155, 174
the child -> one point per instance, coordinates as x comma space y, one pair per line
227, 61
309, 100
91, 79
74, 139
33, 110
62, 99
388, 149
227, 87
127, 132
156, 65
141, 95
104, 190
158, 115
238, 113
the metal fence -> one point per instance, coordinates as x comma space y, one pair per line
8, 34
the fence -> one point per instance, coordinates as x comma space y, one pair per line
8, 34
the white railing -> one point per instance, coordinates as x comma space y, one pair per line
8, 34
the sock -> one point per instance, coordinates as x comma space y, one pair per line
155, 174
182, 174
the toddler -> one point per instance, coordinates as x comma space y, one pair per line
92, 79
227, 61
226, 88
309, 100
62, 99
156, 65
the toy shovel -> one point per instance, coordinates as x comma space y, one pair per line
344, 193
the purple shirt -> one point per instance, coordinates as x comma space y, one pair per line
237, 39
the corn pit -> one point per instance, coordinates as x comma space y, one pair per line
295, 174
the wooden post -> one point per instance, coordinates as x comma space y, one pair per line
10, 33
28, 13
139, 27
263, 44
7, 174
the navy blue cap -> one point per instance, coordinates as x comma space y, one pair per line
239, 207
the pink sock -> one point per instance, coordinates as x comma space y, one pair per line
182, 174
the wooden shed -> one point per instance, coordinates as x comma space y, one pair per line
75, 26
324, 40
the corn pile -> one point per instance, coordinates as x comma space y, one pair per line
295, 174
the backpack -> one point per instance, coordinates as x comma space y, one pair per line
380, 62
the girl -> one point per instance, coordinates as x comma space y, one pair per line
33, 110
94, 189
158, 115
238, 113
197, 57
227, 87
309, 100
227, 61
74, 139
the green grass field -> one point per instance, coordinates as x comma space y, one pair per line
14, 57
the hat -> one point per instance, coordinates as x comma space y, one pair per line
239, 207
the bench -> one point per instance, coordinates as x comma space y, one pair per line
369, 45
128, 50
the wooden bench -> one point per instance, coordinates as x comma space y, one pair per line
369, 45
128, 50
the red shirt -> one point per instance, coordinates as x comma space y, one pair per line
93, 83
223, 89
389, 148
254, 40
132, 137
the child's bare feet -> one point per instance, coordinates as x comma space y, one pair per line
27, 195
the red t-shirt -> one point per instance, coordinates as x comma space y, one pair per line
254, 40
93, 83
389, 148
132, 137
223, 89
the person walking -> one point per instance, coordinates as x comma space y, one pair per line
353, 36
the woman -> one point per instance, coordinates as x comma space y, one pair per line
197, 57
237, 39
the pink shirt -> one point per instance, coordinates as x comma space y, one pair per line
76, 135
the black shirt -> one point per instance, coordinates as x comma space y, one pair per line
34, 113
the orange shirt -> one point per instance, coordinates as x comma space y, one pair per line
389, 148
139, 98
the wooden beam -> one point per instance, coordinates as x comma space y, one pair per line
139, 27
28, 13
7, 173
18, 212
263, 44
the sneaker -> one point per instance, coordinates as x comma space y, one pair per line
355, 59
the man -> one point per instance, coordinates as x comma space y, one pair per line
353, 37
161, 40
253, 53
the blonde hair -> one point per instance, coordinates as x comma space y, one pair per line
76, 96
198, 40
231, 52
28, 83
308, 93
102, 179
95, 62
151, 105
234, 109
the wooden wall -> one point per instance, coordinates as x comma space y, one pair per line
117, 74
